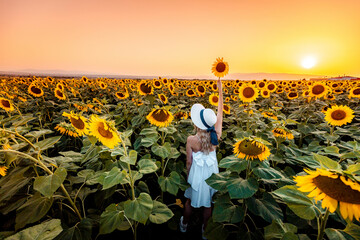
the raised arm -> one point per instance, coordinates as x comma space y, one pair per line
218, 124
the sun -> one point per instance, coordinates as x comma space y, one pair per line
308, 62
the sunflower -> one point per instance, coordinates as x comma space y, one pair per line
269, 115
251, 149
201, 90
334, 189
181, 115
339, 115
271, 87
157, 83
104, 131
35, 91
226, 108
144, 88
292, 95
220, 68
354, 92
60, 86
122, 95
234, 97
318, 90
67, 129
78, 122
282, 133
163, 98
3, 170
227, 99
248, 93
265, 93
102, 85
214, 99
59, 94
6, 104
137, 101
190, 93
160, 117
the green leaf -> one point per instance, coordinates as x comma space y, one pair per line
353, 230
233, 163
111, 218
147, 166
37, 134
332, 149
268, 173
218, 181
353, 169
149, 140
131, 158
297, 201
114, 177
160, 213
335, 234
162, 151
267, 208
326, 162
277, 230
33, 210
242, 188
47, 143
215, 231
81, 231
47, 185
226, 211
140, 208
170, 184
168, 130
149, 131
44, 231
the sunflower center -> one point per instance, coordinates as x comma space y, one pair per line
318, 89
338, 115
220, 67
226, 108
248, 92
145, 88
250, 148
59, 93
35, 90
271, 86
106, 133
265, 93
120, 94
201, 89
337, 190
157, 83
356, 91
262, 84
77, 123
160, 115
5, 103
292, 94
162, 98
191, 92
215, 99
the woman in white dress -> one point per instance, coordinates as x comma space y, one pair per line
201, 160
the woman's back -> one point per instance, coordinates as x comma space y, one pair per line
196, 145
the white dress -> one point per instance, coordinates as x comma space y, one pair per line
202, 167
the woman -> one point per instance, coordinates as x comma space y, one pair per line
201, 160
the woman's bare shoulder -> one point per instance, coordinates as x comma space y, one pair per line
191, 139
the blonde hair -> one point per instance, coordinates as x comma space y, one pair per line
204, 138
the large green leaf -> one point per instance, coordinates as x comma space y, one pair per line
242, 188
33, 210
336, 234
268, 173
297, 201
47, 143
160, 213
147, 166
218, 181
215, 231
140, 208
47, 185
171, 183
130, 158
148, 141
161, 151
168, 130
80, 231
226, 211
279, 230
267, 208
44, 231
37, 134
353, 230
112, 218
114, 177
233, 163
327, 162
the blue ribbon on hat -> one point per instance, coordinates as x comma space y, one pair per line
213, 135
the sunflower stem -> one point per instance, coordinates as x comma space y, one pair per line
323, 224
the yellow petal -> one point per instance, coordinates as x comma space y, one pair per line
330, 203
307, 188
314, 193
343, 210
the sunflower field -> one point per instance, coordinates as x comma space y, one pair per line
105, 158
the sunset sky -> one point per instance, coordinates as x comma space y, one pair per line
184, 37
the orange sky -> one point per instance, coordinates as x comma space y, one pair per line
184, 37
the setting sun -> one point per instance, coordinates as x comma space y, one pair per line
308, 62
